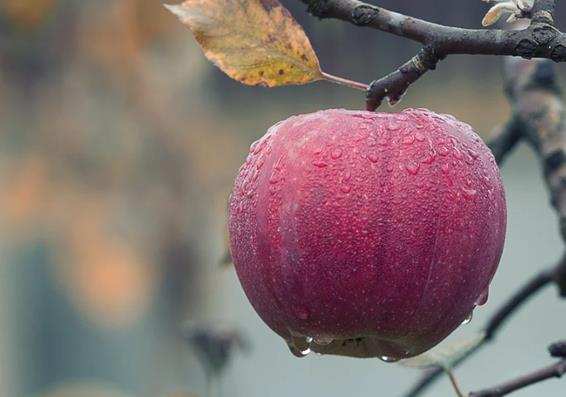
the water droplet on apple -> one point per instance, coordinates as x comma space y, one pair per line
408, 140
258, 147
365, 116
302, 312
473, 153
429, 159
345, 189
469, 194
393, 126
388, 359
295, 351
412, 168
468, 319
323, 340
336, 154
482, 299
373, 157
319, 164
255, 176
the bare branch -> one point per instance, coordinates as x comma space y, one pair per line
543, 11
363, 14
553, 371
504, 139
538, 107
540, 40
558, 349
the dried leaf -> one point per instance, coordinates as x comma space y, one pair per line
256, 42
445, 356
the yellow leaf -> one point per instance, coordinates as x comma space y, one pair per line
256, 42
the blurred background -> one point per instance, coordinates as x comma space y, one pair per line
119, 144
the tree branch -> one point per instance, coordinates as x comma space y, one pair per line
543, 11
504, 139
394, 85
540, 40
558, 349
552, 371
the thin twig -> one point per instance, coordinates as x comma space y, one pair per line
394, 85
552, 371
558, 349
345, 82
454, 382
504, 140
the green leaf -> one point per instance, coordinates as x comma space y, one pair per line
444, 356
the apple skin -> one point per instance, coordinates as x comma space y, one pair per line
367, 234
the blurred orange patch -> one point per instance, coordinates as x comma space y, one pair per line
109, 280
84, 390
28, 14
25, 193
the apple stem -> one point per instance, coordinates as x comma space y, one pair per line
454, 382
345, 82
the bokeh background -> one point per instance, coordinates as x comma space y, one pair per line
119, 144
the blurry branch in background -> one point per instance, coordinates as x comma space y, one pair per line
214, 347
540, 40
555, 370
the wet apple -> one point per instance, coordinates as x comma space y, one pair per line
367, 234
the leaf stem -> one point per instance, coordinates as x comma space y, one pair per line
345, 82
454, 382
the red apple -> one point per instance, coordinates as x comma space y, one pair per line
367, 234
